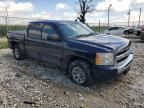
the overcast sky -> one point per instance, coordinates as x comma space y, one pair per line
65, 9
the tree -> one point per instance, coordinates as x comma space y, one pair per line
84, 7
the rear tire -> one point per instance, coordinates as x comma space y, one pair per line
17, 53
80, 72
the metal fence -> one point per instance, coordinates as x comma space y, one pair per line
13, 24
18, 23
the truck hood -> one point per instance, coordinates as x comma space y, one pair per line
106, 41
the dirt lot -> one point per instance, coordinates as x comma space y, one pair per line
30, 84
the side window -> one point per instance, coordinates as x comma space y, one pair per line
116, 28
35, 31
111, 29
48, 31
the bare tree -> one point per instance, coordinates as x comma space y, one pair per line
84, 7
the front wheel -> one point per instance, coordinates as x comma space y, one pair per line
80, 72
18, 55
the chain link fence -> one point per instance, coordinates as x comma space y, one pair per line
13, 24
100, 27
18, 23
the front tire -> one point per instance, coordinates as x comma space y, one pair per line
80, 72
17, 53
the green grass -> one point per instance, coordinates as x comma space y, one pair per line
3, 29
3, 43
97, 29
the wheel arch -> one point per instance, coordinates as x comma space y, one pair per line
74, 58
13, 43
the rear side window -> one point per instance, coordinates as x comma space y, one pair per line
121, 28
48, 31
35, 31
116, 28
111, 29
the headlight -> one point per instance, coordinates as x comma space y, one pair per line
104, 59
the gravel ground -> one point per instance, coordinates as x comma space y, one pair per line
32, 84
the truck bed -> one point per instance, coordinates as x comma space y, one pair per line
21, 32
16, 36
18, 32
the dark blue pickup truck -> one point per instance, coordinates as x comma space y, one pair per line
85, 55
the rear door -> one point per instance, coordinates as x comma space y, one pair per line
51, 50
33, 40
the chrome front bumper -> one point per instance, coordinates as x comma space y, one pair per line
125, 65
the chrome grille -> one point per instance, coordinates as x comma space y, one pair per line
123, 55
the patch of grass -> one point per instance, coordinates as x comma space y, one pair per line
3, 29
3, 39
3, 43
96, 28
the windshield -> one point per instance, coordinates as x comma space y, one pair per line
74, 29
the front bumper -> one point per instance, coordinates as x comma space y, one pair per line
109, 72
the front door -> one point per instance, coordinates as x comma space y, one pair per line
51, 50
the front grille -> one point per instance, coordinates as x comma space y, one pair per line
123, 54
122, 59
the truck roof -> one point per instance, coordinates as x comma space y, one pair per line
52, 21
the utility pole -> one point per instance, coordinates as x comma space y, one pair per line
129, 17
6, 16
108, 14
6, 19
99, 26
139, 17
